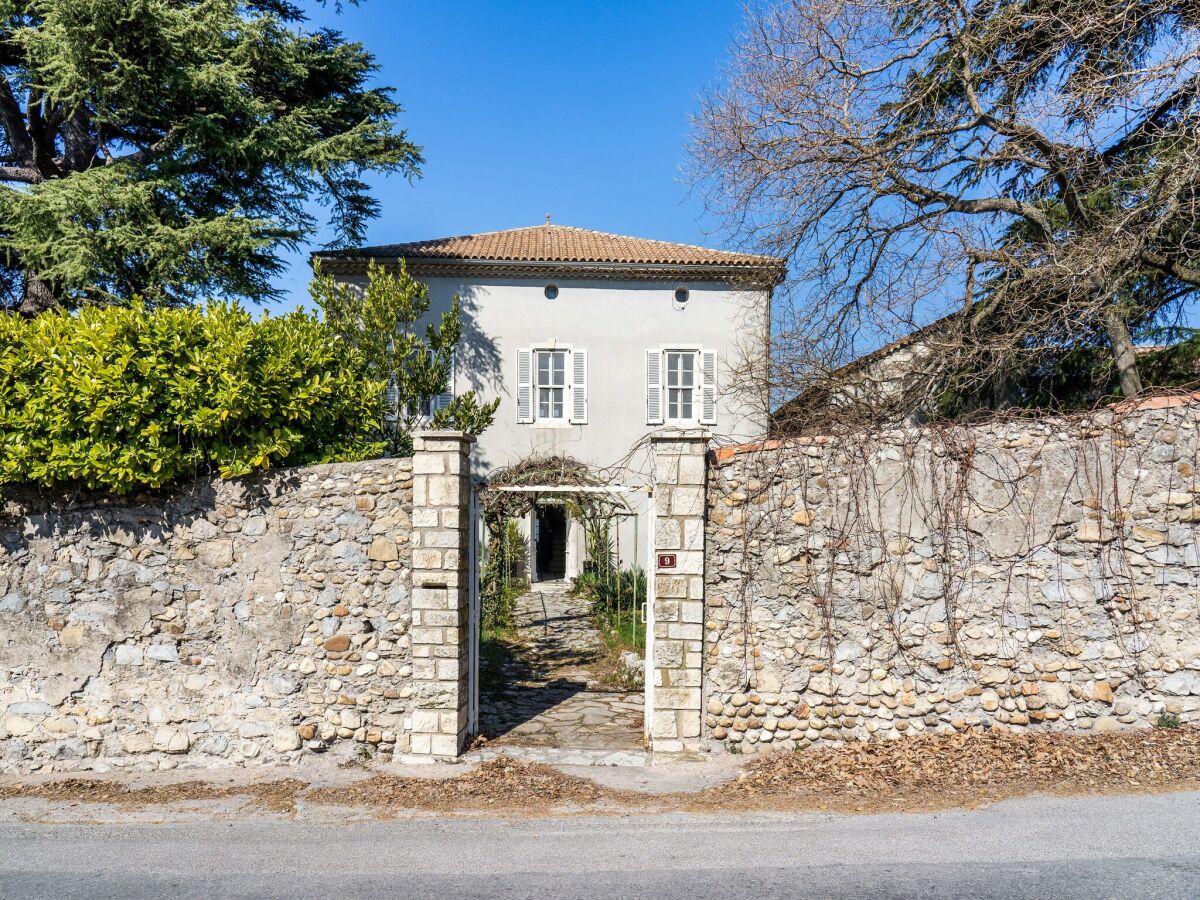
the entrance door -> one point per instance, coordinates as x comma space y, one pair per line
551, 542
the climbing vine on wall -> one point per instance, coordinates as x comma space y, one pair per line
873, 527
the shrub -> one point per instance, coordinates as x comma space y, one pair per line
618, 601
503, 578
120, 398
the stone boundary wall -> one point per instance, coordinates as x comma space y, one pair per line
234, 622
1026, 574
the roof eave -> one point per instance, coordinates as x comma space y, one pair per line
771, 271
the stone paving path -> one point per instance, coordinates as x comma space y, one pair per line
549, 696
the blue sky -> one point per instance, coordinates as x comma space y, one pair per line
578, 108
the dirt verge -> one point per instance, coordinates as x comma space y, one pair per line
921, 773
275, 796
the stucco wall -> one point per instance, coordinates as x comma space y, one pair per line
1021, 574
233, 622
616, 322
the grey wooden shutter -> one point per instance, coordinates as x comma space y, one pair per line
708, 387
579, 388
654, 393
391, 398
442, 400
524, 386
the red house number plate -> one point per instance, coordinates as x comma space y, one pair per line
666, 560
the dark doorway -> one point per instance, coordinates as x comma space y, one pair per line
551, 543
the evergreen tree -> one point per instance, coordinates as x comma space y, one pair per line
167, 148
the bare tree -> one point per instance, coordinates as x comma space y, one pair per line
1031, 166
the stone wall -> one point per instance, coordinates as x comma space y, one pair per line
234, 622
1020, 574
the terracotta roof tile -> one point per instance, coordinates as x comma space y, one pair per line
563, 244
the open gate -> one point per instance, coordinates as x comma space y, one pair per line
639, 501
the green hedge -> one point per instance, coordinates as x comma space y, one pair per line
120, 398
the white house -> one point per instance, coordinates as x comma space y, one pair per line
591, 341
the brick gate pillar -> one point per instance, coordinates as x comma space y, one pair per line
680, 479
440, 592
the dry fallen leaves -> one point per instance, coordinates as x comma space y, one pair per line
513, 784
943, 770
926, 772
278, 796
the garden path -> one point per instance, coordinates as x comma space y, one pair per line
550, 693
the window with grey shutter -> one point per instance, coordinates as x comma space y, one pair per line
579, 389
708, 387
654, 391
442, 400
524, 386
391, 399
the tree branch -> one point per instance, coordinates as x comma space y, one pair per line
24, 174
13, 122
1172, 267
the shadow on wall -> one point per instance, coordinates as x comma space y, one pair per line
477, 359
83, 573
136, 518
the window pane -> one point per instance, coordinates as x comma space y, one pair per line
687, 369
679, 404
551, 384
672, 369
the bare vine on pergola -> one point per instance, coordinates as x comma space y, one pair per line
510, 493
501, 504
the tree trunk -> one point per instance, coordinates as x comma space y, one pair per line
1123, 353
37, 296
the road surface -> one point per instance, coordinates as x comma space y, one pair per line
1044, 847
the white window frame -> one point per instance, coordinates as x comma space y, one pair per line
564, 387
574, 387
692, 389
703, 388
424, 415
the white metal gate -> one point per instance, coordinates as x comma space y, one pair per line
474, 541
644, 499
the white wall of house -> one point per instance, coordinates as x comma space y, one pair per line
615, 322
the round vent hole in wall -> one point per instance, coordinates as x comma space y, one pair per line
681, 298
551, 292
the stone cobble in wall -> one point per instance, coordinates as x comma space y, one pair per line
1020, 574
234, 622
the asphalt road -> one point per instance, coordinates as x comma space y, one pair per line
1047, 848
